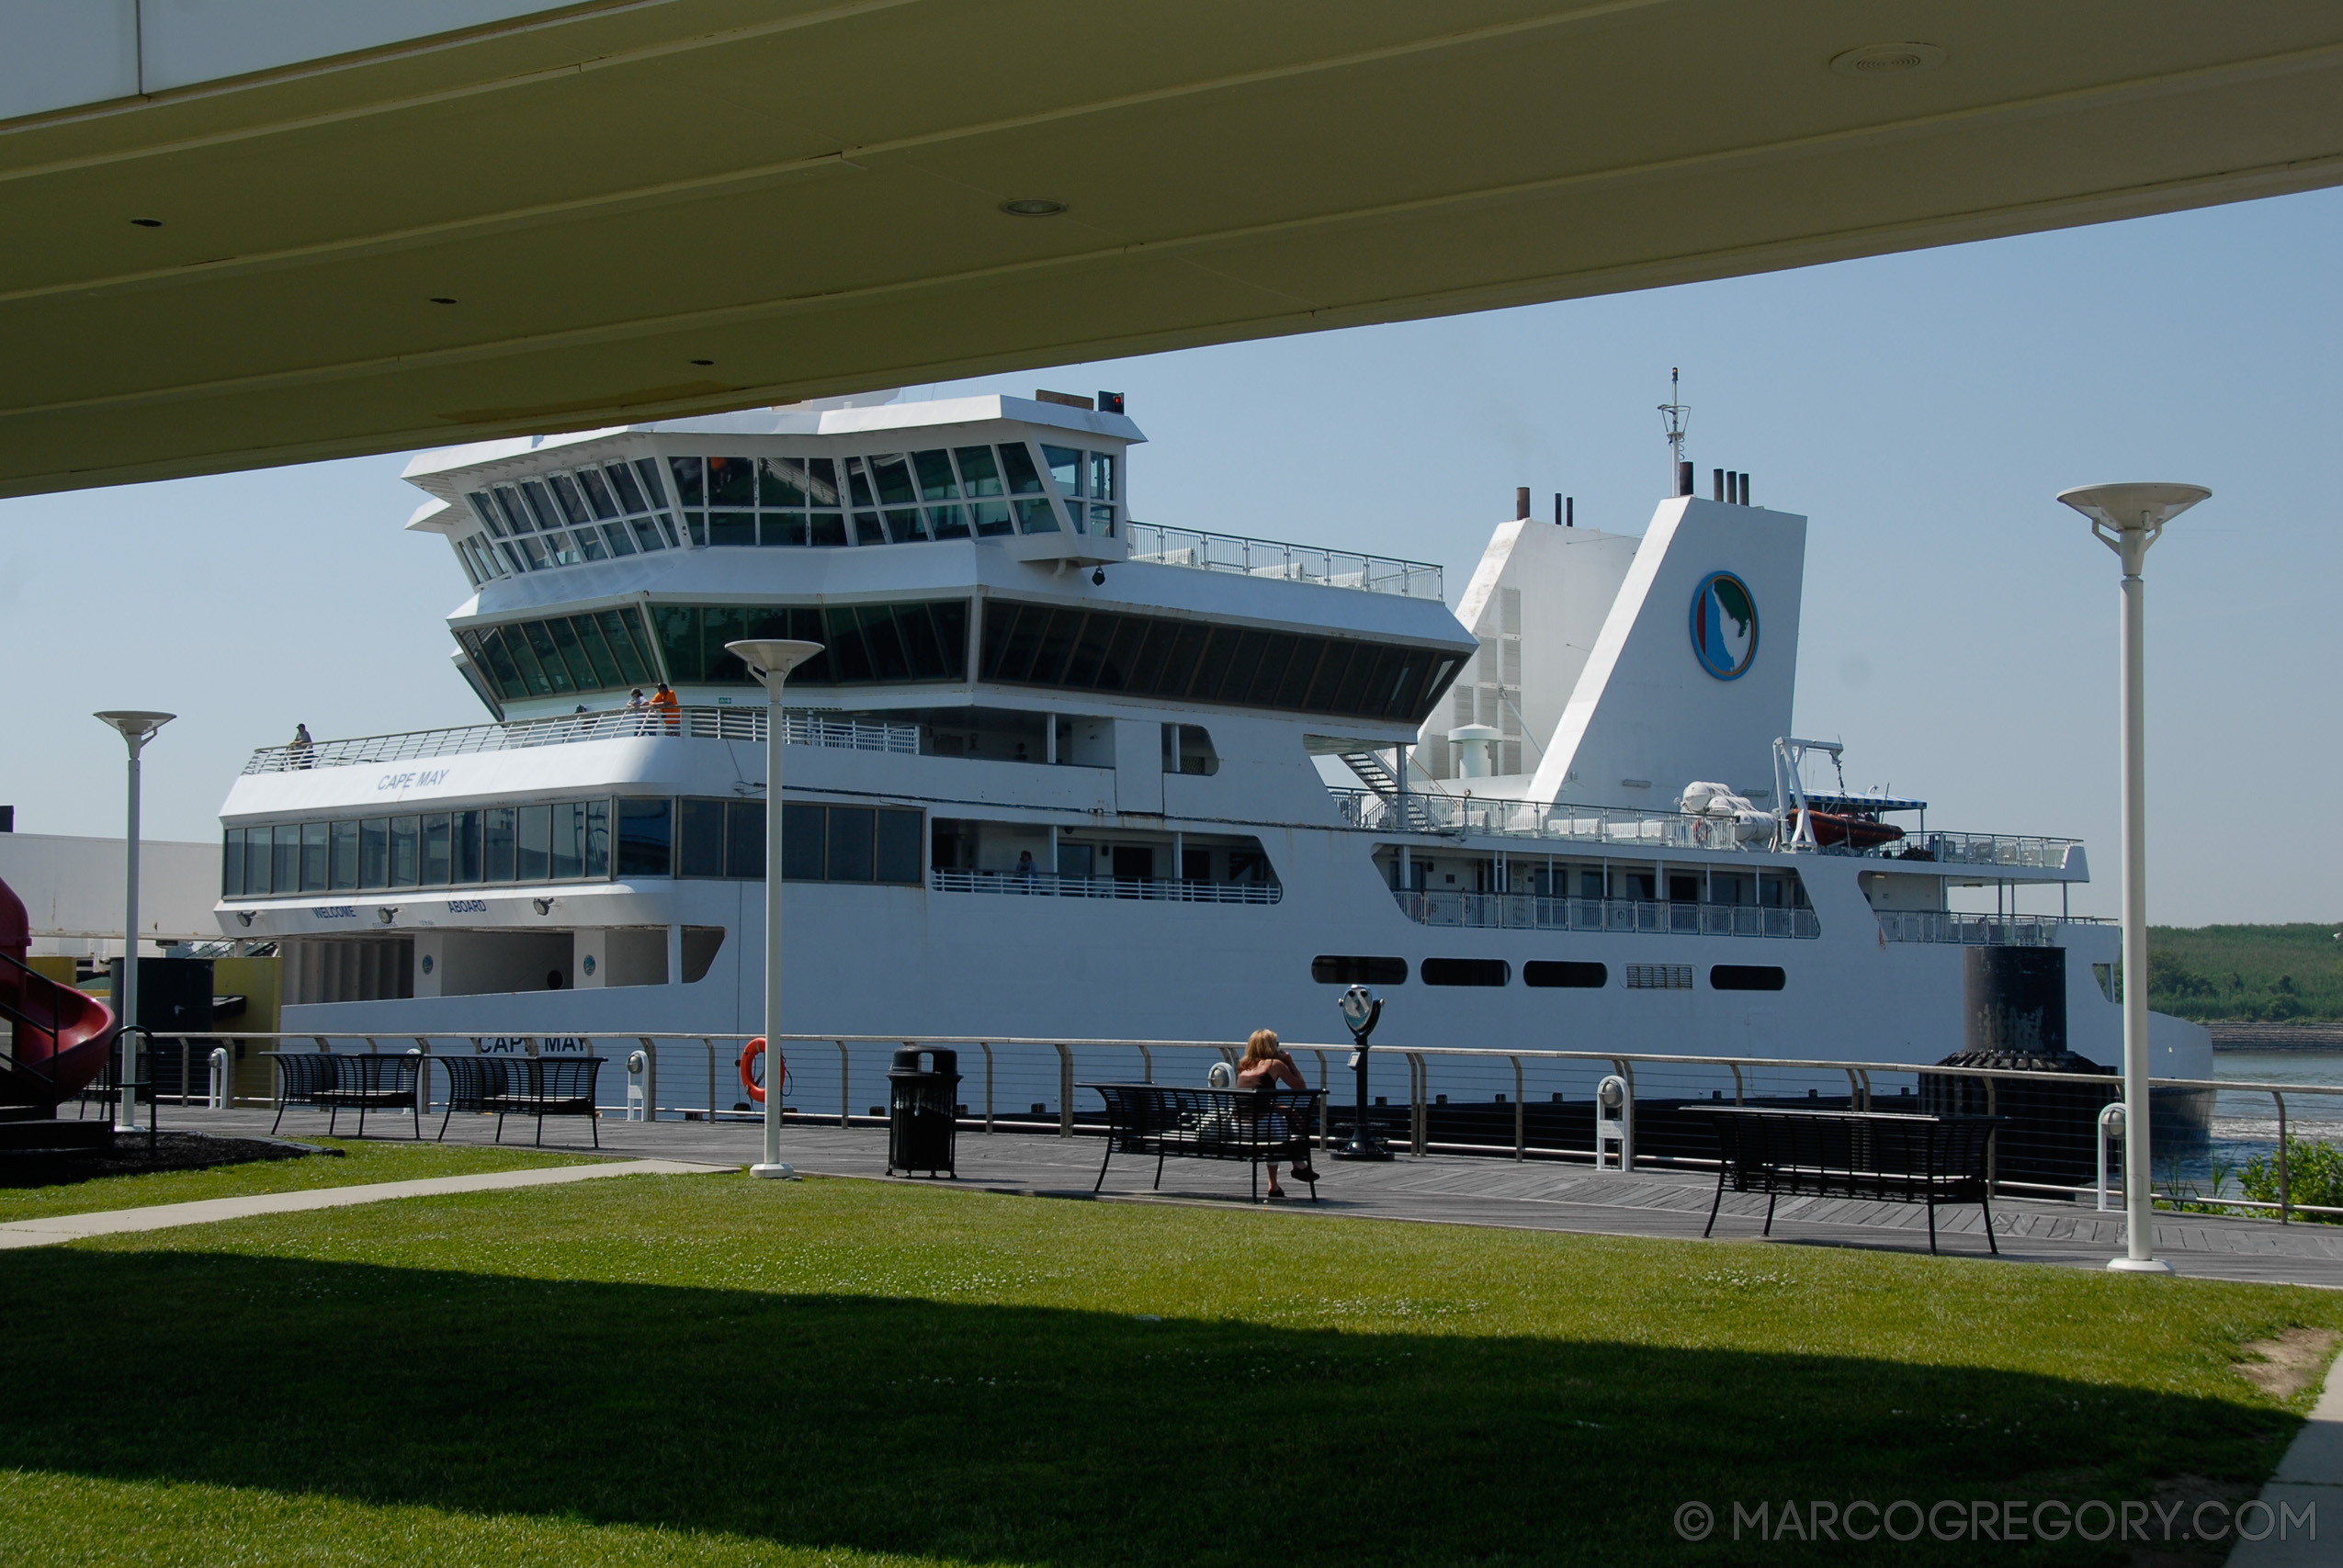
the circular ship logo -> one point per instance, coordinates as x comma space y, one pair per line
1725, 625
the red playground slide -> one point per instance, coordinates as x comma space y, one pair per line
60, 1036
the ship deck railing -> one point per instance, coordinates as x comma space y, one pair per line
746, 723
1631, 828
1498, 1099
1154, 545
1035, 885
1979, 931
1531, 912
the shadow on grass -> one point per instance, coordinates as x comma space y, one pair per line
996, 1433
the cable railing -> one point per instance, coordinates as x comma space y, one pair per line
1154, 545
1978, 849
745, 722
2215, 1151
1640, 829
1979, 930
1014, 885
1529, 912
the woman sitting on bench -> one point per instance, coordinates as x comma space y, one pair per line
1265, 1066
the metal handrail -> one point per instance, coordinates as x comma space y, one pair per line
1979, 930
1155, 545
1041, 885
745, 722
1419, 1079
1531, 911
1640, 830
1495, 1052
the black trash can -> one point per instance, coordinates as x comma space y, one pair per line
921, 1112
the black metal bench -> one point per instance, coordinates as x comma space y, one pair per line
1879, 1155
470, 1082
1256, 1125
335, 1082
523, 1085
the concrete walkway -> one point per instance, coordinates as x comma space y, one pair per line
164, 1216
2309, 1481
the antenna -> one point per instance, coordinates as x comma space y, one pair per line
1674, 410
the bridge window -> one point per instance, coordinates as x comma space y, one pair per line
604, 650
646, 837
863, 644
1036, 645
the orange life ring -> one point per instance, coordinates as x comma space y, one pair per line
756, 1048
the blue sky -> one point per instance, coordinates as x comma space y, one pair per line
1921, 410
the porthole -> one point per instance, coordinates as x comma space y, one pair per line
1466, 972
1562, 974
1339, 970
1746, 977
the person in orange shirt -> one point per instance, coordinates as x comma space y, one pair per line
664, 704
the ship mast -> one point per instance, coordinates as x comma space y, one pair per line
1675, 412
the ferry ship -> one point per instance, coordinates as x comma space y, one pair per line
1063, 773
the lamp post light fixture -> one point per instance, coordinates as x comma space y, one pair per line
2127, 519
1361, 1010
138, 729
770, 660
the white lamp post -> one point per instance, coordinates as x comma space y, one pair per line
2128, 519
137, 728
770, 660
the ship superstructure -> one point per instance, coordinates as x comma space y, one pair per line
1058, 771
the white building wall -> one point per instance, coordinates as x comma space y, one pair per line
72, 890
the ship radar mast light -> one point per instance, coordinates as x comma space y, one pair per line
1677, 415
2127, 519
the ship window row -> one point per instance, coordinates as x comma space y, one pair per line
605, 511
565, 840
1071, 648
895, 498
819, 844
862, 644
597, 513
1023, 644
570, 841
606, 650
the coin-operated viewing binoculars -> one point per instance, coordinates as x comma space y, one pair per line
1361, 1010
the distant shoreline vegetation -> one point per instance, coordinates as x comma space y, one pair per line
2246, 974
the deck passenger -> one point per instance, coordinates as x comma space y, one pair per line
298, 747
1267, 1066
665, 704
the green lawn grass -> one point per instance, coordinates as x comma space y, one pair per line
708, 1370
360, 1162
